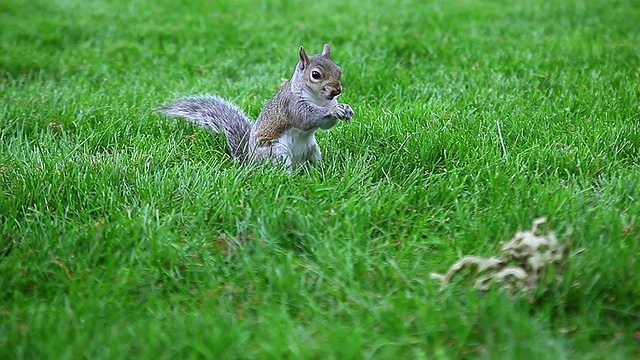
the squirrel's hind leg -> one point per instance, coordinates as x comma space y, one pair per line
275, 154
279, 154
314, 155
312, 159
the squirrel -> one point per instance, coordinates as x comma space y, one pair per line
284, 132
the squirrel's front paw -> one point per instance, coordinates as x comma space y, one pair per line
342, 111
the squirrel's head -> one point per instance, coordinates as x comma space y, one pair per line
320, 74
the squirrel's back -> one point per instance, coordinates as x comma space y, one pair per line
278, 120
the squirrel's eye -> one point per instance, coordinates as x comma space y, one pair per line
315, 74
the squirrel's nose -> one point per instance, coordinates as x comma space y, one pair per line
335, 91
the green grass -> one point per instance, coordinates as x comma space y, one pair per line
125, 234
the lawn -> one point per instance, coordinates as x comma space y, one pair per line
127, 234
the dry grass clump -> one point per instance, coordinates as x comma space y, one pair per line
524, 261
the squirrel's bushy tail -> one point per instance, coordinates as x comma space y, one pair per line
215, 113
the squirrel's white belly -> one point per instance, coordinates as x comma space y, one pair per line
301, 145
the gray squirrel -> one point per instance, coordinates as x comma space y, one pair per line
285, 130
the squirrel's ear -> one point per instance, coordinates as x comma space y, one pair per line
326, 52
304, 58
